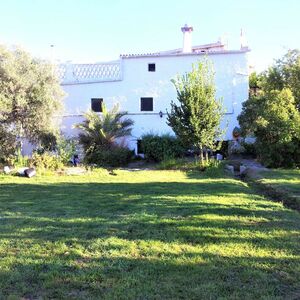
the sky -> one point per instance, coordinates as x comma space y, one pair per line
100, 30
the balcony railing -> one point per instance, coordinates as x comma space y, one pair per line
89, 73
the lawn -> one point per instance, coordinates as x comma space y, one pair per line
145, 235
280, 184
287, 180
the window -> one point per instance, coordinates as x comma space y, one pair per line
151, 67
96, 104
147, 104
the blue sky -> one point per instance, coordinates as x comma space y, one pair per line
96, 30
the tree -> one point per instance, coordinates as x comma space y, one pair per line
273, 119
8, 144
271, 113
196, 118
254, 83
30, 96
99, 133
285, 73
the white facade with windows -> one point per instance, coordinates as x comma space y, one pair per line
141, 84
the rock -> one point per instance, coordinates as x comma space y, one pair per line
230, 169
6, 170
219, 156
21, 171
30, 172
242, 169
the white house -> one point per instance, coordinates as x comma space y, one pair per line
141, 84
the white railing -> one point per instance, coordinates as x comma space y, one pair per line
89, 73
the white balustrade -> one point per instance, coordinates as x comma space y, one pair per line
89, 73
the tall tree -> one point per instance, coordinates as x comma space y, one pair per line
271, 113
30, 95
196, 117
284, 73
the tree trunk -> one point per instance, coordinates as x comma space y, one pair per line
201, 157
206, 156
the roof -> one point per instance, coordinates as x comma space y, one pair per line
213, 48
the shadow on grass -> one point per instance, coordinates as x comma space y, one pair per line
166, 212
136, 211
77, 215
206, 276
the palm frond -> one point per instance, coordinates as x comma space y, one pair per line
98, 130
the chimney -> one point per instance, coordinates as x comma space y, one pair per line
187, 38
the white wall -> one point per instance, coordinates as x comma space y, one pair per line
231, 81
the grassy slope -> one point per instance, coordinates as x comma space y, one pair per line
288, 180
145, 235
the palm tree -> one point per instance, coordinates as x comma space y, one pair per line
101, 131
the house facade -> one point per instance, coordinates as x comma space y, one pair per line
141, 85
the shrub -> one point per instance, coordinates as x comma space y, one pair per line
100, 135
184, 164
273, 119
249, 149
157, 148
18, 160
114, 156
211, 168
279, 155
176, 164
66, 149
214, 169
103, 131
46, 161
48, 141
223, 148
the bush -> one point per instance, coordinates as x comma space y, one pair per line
66, 149
18, 160
46, 161
100, 134
48, 141
279, 155
224, 148
212, 167
273, 119
249, 149
157, 148
177, 164
114, 156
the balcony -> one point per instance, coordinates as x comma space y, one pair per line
89, 73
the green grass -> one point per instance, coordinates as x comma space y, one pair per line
287, 180
282, 185
144, 235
